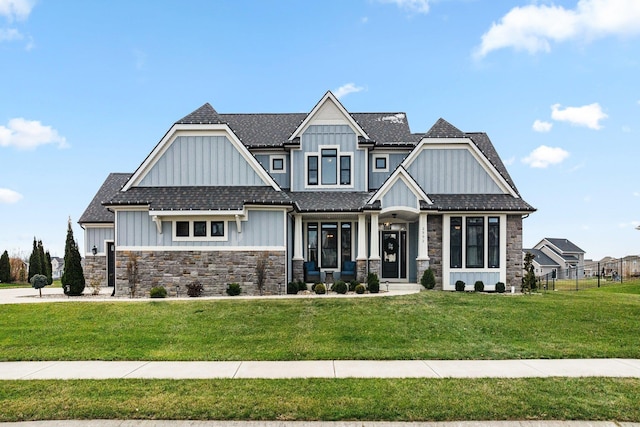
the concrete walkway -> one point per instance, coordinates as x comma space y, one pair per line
620, 368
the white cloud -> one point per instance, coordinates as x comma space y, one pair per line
345, 90
534, 27
587, 115
10, 34
9, 196
544, 156
540, 126
414, 6
509, 161
29, 134
16, 9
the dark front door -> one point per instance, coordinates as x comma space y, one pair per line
111, 264
390, 254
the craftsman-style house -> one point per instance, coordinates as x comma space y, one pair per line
322, 195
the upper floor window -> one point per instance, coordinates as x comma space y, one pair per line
277, 164
329, 168
381, 163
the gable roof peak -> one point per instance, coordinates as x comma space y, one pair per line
203, 115
444, 129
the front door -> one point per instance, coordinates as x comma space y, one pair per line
111, 264
390, 254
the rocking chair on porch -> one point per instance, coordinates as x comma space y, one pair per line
311, 272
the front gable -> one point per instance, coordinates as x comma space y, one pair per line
328, 111
454, 166
400, 191
200, 155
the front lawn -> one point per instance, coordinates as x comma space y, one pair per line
596, 323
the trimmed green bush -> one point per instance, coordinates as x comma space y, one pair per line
320, 288
158, 292
292, 288
340, 287
478, 286
39, 281
500, 287
460, 286
302, 286
428, 279
359, 289
373, 283
194, 289
352, 285
234, 289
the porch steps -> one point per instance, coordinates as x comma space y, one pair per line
400, 286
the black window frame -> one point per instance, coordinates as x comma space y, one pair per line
377, 165
312, 170
345, 172
329, 155
279, 161
455, 242
474, 248
493, 242
219, 228
180, 229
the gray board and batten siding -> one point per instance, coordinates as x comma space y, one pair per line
201, 161
311, 141
262, 229
376, 179
451, 171
400, 195
97, 236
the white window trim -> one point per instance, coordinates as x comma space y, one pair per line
381, 156
284, 163
339, 154
208, 237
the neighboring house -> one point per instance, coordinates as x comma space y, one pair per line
315, 191
57, 267
568, 257
542, 264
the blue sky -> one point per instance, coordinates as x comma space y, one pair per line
89, 87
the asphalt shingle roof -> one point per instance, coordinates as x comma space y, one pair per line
541, 258
199, 198
330, 201
564, 245
477, 202
96, 212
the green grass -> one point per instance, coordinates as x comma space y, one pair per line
597, 323
325, 399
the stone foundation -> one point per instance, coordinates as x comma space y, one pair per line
95, 268
214, 270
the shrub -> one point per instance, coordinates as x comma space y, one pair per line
194, 289
359, 288
292, 288
39, 281
95, 287
373, 283
313, 287
320, 289
340, 287
500, 287
352, 285
460, 286
234, 289
73, 277
158, 292
302, 286
478, 286
428, 279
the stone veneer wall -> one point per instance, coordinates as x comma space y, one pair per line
514, 252
95, 268
214, 270
434, 237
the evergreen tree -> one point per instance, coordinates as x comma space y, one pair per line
73, 276
43, 259
5, 268
34, 261
49, 268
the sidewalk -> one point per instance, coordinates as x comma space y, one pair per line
627, 368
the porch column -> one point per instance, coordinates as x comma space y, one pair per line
362, 237
423, 241
297, 238
374, 250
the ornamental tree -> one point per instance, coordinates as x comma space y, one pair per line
39, 281
73, 281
